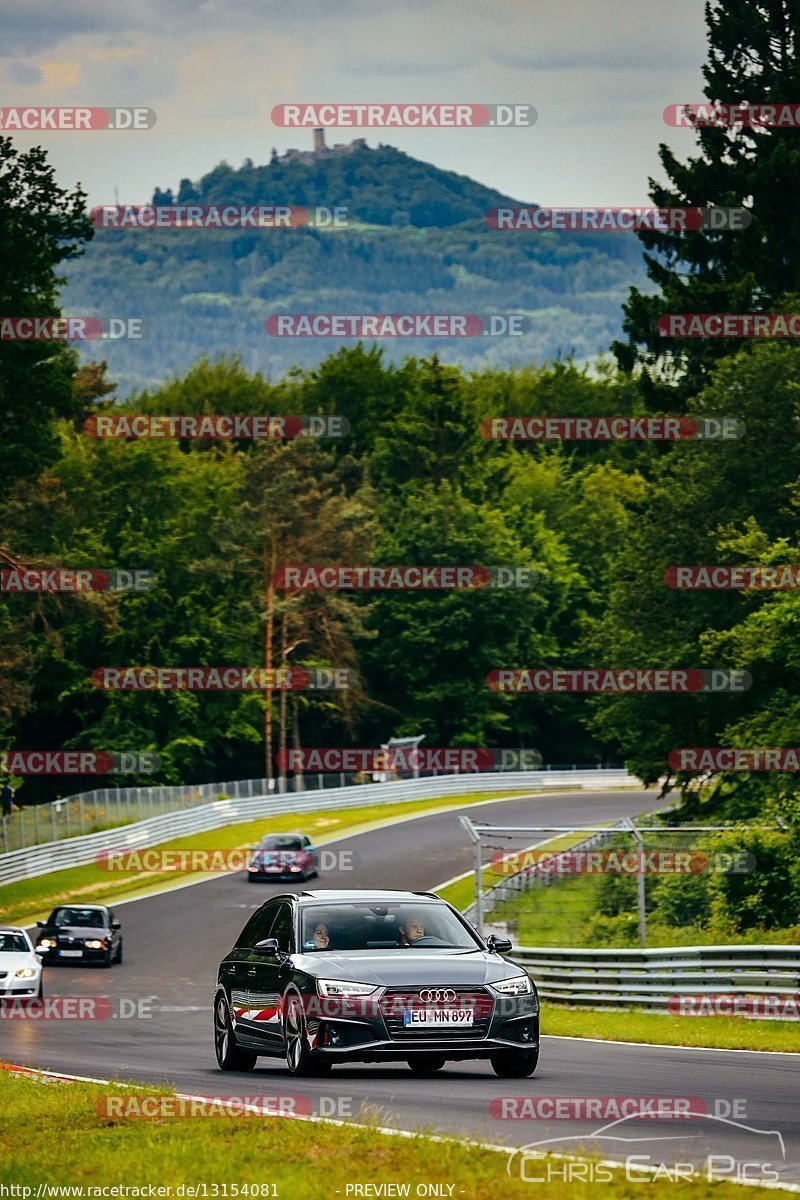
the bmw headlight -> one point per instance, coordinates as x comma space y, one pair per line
342, 987
95, 945
25, 973
518, 985
47, 944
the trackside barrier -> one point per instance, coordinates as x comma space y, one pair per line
531, 876
648, 978
78, 851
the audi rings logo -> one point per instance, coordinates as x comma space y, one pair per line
437, 996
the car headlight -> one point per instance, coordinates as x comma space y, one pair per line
95, 944
343, 988
518, 985
46, 944
25, 973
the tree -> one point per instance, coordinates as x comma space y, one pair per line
754, 58
41, 225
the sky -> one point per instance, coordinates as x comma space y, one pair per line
599, 75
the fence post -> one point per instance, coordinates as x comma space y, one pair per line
640, 891
81, 814
478, 887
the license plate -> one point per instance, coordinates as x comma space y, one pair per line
446, 1017
71, 953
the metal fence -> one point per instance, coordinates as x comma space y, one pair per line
78, 851
530, 878
656, 978
107, 808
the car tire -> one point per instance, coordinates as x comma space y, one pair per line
230, 1057
515, 1064
426, 1064
40, 993
108, 960
300, 1058
118, 959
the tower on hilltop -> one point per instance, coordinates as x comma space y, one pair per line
319, 140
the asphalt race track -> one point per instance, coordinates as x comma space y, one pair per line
173, 944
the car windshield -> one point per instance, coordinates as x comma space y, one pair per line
13, 943
281, 843
89, 918
365, 925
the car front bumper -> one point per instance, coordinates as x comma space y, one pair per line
512, 1024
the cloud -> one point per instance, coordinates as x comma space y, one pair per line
23, 74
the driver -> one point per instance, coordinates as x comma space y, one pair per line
411, 930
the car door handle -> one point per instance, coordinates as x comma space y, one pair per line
252, 971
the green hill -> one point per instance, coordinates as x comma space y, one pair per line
417, 241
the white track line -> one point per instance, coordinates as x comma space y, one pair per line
567, 1037
390, 1131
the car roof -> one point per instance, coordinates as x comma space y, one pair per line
285, 833
76, 904
12, 929
348, 895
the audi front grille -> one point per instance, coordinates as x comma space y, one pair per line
395, 1000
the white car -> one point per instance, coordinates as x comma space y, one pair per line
20, 965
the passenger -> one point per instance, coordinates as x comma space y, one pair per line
322, 937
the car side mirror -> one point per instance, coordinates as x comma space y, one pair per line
498, 945
116, 925
268, 947
40, 924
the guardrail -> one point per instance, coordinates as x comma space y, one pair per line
650, 978
78, 851
105, 808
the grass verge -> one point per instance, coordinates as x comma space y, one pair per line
30, 899
554, 925
636, 1025
78, 1146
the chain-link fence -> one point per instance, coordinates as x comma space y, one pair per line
623, 885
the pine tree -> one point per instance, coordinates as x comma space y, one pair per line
753, 59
